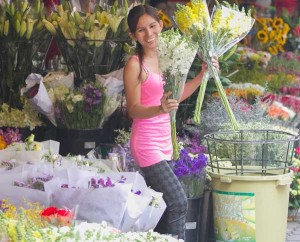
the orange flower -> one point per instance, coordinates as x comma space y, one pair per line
3, 144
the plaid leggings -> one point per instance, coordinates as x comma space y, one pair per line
161, 178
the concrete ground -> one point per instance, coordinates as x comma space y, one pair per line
293, 231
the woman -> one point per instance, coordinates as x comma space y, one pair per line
149, 108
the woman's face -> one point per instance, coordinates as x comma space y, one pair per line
147, 31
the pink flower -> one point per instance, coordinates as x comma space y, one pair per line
298, 150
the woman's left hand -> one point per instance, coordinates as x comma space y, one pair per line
215, 64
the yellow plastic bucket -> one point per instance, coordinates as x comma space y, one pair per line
250, 207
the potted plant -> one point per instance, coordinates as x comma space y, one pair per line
294, 198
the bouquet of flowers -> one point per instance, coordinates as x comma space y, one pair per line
176, 53
79, 108
215, 35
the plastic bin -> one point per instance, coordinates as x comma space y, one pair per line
250, 208
251, 179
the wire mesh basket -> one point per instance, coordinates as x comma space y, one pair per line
251, 152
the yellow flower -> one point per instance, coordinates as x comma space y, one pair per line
262, 36
277, 22
37, 146
273, 50
191, 16
280, 48
166, 20
272, 34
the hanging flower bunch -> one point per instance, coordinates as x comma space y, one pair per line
215, 35
176, 53
90, 43
272, 34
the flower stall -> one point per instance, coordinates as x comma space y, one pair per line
78, 97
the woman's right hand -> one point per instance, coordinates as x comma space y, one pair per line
167, 104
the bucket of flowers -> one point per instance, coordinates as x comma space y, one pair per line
90, 42
294, 198
23, 46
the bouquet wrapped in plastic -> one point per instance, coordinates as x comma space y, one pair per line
117, 198
215, 35
176, 53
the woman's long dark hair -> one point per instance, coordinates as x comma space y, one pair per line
132, 20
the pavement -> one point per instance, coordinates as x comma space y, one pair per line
293, 231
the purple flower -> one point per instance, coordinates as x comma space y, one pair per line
186, 165
93, 97
10, 135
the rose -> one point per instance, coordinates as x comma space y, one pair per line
58, 217
49, 215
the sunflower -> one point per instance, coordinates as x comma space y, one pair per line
166, 20
262, 36
277, 22
273, 50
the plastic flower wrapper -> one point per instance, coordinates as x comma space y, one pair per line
176, 53
116, 194
24, 183
215, 35
38, 96
29, 151
113, 83
152, 214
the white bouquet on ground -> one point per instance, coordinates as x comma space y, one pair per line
176, 53
117, 198
215, 35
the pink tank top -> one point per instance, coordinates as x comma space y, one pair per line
150, 140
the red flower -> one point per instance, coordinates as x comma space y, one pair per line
64, 217
49, 211
58, 217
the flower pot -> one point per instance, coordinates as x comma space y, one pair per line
292, 214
